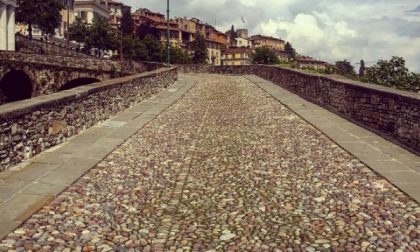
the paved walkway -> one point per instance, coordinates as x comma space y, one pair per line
229, 168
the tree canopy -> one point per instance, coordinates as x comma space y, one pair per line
44, 14
200, 49
288, 48
345, 68
393, 73
265, 55
127, 24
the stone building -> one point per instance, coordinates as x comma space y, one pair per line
237, 56
273, 43
7, 25
116, 12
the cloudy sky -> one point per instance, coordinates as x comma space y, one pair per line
326, 29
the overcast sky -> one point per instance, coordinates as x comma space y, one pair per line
326, 29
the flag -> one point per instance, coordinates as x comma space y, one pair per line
243, 20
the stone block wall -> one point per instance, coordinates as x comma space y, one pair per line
29, 127
391, 113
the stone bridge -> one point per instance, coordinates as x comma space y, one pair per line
24, 76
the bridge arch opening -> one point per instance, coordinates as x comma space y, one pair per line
78, 82
16, 85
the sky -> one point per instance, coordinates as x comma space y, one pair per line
330, 30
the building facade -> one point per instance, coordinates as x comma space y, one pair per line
88, 10
271, 42
309, 62
242, 33
237, 56
242, 42
7, 25
67, 17
116, 12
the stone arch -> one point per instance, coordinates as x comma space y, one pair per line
78, 82
16, 85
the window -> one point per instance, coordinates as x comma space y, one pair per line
83, 15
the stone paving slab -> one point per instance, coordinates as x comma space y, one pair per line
26, 188
396, 164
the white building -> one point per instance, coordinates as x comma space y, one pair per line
241, 42
7, 25
88, 10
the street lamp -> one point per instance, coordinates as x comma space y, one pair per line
121, 40
167, 36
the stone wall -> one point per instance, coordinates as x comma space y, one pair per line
391, 113
31, 126
25, 45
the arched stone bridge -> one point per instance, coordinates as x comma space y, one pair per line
24, 76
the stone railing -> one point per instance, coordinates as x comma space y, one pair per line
26, 45
391, 113
29, 127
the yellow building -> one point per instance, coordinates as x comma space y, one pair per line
236, 56
271, 42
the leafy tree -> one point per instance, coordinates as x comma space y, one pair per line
179, 56
393, 73
154, 49
344, 68
233, 36
362, 69
101, 36
145, 29
200, 49
127, 25
288, 48
45, 14
79, 31
265, 55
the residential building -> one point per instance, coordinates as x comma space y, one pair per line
116, 12
67, 17
282, 55
242, 42
237, 56
309, 62
242, 33
157, 21
7, 25
273, 43
88, 10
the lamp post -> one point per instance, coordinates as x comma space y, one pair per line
167, 36
121, 40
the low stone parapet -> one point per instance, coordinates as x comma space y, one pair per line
31, 126
392, 113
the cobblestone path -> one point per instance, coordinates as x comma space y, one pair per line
227, 168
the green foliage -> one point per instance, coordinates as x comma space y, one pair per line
344, 68
44, 14
146, 29
288, 48
79, 31
265, 55
154, 50
101, 35
393, 73
200, 49
127, 24
178, 55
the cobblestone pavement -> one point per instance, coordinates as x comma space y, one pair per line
227, 168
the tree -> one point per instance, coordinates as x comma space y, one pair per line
200, 49
362, 69
288, 48
79, 31
154, 49
179, 56
233, 36
393, 73
265, 55
45, 14
127, 25
344, 68
146, 28
101, 36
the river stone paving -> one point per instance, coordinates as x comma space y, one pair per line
227, 168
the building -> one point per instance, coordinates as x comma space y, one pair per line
237, 56
7, 25
88, 10
242, 33
242, 42
116, 12
309, 62
158, 22
67, 17
273, 43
